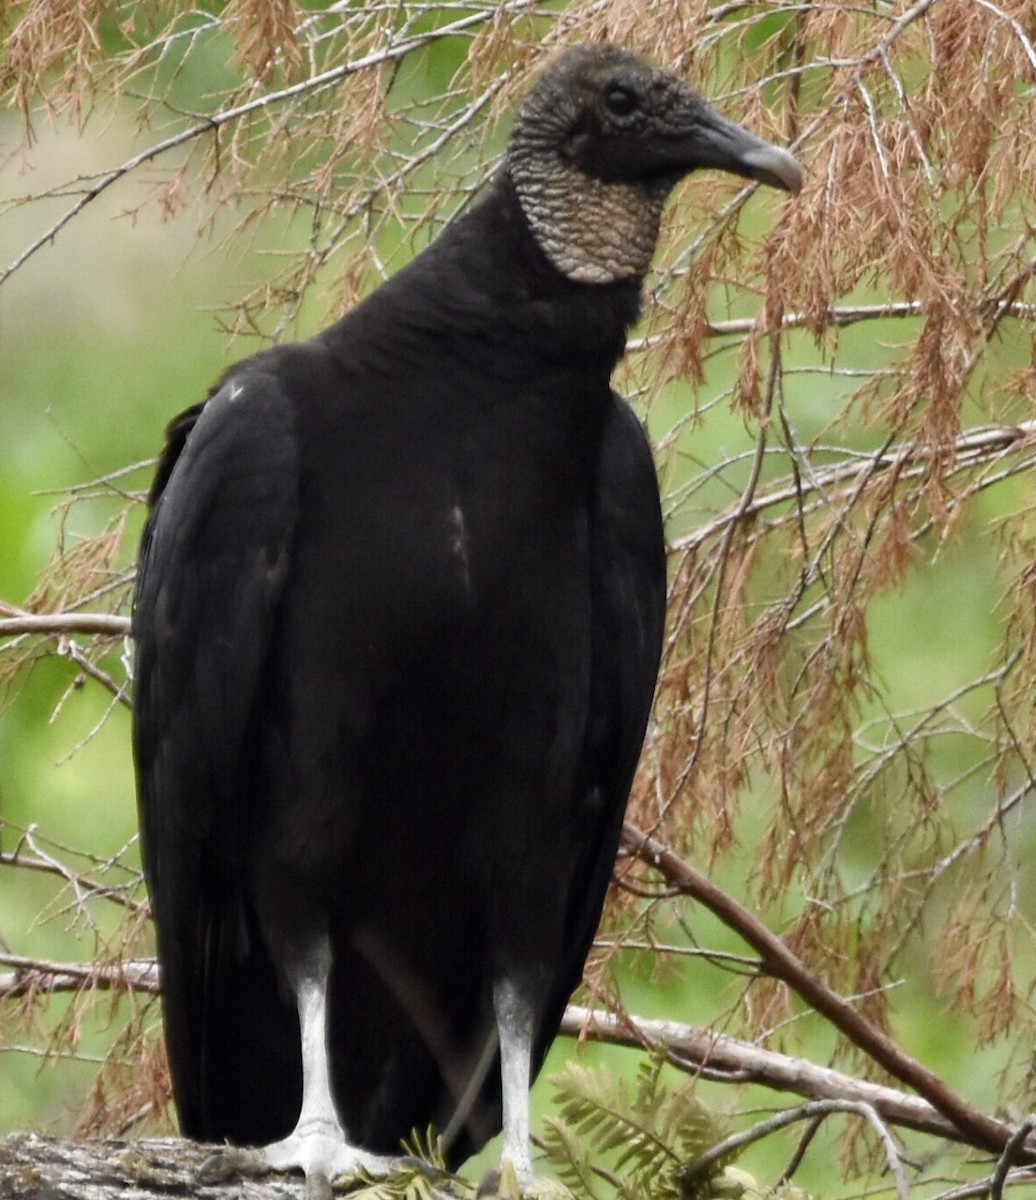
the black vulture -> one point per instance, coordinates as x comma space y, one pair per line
398, 623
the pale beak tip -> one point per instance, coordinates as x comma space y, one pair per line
772, 165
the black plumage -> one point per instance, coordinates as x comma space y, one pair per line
398, 622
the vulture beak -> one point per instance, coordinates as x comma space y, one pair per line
713, 141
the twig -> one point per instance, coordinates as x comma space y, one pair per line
119, 692
799, 1154
972, 447
838, 316
981, 1187
91, 887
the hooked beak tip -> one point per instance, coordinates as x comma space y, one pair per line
774, 166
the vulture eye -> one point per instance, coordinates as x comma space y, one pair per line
619, 100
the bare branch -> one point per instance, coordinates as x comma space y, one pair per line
83, 886
1009, 1156
906, 462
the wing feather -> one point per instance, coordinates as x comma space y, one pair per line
627, 558
213, 562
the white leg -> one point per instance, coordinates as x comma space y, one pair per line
317, 1106
318, 1145
514, 1019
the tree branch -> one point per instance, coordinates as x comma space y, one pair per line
839, 316
216, 121
83, 886
718, 1056
907, 461
106, 624
39, 975
693, 1173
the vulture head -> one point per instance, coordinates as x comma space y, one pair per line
598, 144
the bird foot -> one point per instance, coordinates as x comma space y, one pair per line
506, 1183
321, 1154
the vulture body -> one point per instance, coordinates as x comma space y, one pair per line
398, 623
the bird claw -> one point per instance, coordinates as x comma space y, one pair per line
499, 1183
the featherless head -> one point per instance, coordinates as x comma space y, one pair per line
599, 142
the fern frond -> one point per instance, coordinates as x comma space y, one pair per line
636, 1137
571, 1158
427, 1146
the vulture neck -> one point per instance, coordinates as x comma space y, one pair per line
487, 293
591, 231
